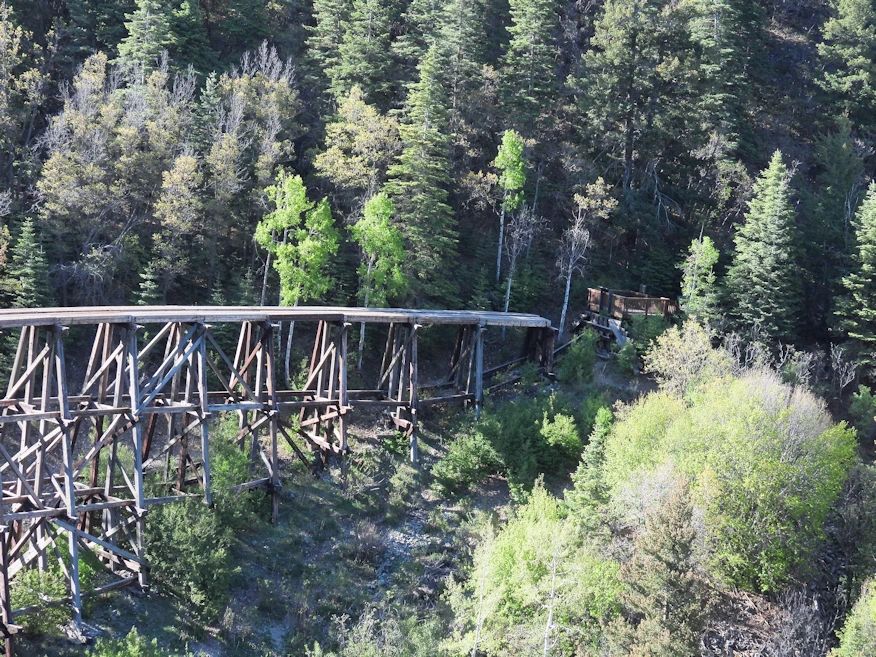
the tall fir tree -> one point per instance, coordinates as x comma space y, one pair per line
418, 187
858, 307
28, 281
364, 54
421, 22
150, 34
848, 57
190, 42
529, 74
462, 40
326, 36
764, 279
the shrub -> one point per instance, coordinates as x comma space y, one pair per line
229, 466
189, 552
576, 367
536, 558
766, 462
645, 329
628, 357
469, 460
132, 645
858, 636
683, 359
588, 494
863, 409
34, 588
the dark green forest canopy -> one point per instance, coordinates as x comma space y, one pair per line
140, 139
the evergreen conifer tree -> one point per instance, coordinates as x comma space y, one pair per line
418, 187
858, 307
149, 293
150, 34
324, 42
364, 54
699, 287
462, 40
848, 55
764, 279
190, 41
529, 75
28, 281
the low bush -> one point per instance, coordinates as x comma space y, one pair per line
34, 588
858, 636
576, 367
645, 329
628, 357
229, 466
133, 645
766, 462
189, 552
469, 460
863, 409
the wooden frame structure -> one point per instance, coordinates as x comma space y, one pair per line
623, 304
73, 459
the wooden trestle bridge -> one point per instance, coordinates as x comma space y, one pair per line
77, 438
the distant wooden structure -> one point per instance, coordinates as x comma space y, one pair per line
624, 304
154, 377
606, 309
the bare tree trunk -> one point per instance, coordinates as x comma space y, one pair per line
550, 620
289, 350
362, 336
511, 268
501, 240
265, 280
565, 305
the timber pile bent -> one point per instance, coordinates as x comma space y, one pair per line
74, 447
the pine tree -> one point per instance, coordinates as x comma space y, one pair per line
828, 233
858, 308
190, 42
418, 187
528, 73
848, 54
421, 21
149, 35
364, 54
324, 42
149, 293
28, 280
662, 582
764, 279
462, 40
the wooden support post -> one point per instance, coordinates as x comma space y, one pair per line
343, 393
139, 495
204, 415
69, 482
5, 601
479, 372
415, 398
271, 408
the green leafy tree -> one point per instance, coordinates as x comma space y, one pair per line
765, 461
858, 636
764, 279
360, 144
28, 280
381, 273
848, 52
301, 236
150, 34
699, 287
857, 307
535, 584
417, 186
512, 165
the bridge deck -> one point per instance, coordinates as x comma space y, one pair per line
206, 314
